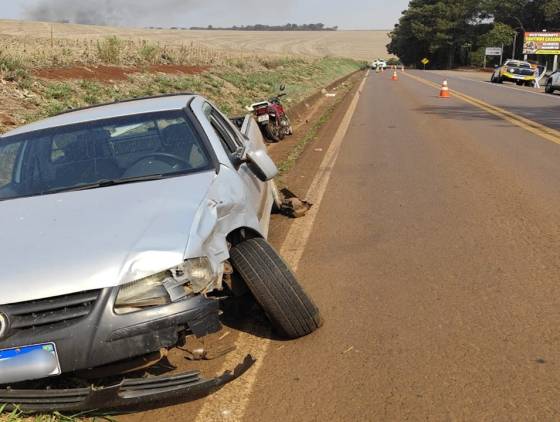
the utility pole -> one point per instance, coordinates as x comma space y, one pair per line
513, 47
502, 55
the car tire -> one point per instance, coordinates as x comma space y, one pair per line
549, 89
275, 288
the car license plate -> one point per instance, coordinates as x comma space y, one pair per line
263, 118
34, 362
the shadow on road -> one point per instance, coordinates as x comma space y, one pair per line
243, 314
548, 116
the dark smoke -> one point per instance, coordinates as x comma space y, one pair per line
138, 12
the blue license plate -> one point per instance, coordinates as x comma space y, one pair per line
40, 360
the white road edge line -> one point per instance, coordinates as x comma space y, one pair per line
292, 251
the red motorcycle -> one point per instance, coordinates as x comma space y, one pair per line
272, 118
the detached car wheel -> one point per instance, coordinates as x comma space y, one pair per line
549, 89
276, 289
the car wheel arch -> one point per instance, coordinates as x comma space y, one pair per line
240, 234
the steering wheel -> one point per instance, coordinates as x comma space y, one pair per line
173, 160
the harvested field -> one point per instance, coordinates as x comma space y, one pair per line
360, 45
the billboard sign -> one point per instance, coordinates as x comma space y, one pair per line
542, 43
493, 51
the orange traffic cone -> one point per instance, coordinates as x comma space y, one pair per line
444, 93
395, 76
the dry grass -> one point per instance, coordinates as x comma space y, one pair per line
360, 45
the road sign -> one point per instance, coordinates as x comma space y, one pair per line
425, 61
493, 51
542, 43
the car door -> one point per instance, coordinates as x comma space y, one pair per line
556, 79
233, 142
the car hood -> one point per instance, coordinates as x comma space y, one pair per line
65, 243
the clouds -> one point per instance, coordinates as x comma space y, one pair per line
146, 12
380, 14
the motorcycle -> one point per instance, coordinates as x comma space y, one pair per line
272, 118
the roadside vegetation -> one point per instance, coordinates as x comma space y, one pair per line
231, 81
454, 33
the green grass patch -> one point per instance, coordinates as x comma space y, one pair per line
288, 164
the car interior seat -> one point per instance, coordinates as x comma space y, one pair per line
87, 159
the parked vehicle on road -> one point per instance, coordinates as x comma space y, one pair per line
379, 64
272, 117
520, 72
553, 83
124, 227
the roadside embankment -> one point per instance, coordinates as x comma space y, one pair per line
31, 90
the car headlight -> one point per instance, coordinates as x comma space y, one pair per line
510, 70
193, 276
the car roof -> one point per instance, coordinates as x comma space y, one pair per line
108, 111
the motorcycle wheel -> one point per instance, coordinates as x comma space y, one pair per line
273, 131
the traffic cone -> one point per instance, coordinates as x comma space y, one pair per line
395, 76
444, 93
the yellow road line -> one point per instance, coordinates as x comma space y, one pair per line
538, 129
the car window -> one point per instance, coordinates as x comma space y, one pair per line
223, 129
63, 158
9, 153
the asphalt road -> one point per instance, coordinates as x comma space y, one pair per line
434, 256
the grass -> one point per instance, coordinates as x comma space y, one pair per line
231, 88
288, 164
109, 50
17, 415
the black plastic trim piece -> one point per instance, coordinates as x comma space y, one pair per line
143, 392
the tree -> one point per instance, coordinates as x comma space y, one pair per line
528, 15
435, 28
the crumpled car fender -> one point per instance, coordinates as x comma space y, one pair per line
224, 210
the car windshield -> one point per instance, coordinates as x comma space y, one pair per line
102, 153
518, 64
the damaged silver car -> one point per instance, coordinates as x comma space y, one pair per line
124, 226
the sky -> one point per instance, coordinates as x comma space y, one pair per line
347, 14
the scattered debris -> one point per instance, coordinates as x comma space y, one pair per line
348, 350
292, 206
210, 347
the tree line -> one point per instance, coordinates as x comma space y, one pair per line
455, 32
287, 27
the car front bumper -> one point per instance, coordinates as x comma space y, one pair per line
103, 337
129, 393
516, 78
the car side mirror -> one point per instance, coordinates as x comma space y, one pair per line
261, 165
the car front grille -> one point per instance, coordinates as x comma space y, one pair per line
52, 312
